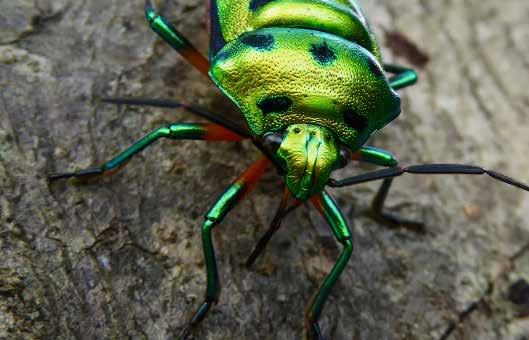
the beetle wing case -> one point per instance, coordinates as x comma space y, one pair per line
284, 76
232, 18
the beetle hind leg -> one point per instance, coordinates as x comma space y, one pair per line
170, 34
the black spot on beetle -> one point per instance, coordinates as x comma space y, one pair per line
354, 120
375, 68
274, 104
259, 41
322, 53
256, 4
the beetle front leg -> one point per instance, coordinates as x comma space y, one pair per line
208, 132
330, 211
229, 199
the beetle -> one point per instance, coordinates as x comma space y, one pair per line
309, 79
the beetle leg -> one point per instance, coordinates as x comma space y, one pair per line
229, 199
403, 77
330, 211
208, 132
217, 119
384, 158
170, 34
369, 154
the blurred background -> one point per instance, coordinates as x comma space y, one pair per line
122, 257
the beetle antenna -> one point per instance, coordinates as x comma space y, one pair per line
172, 104
199, 111
282, 212
426, 169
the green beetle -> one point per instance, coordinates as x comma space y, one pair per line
309, 80
310, 69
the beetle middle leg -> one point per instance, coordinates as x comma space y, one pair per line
229, 199
330, 211
208, 132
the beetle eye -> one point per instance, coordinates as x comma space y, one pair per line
345, 157
272, 141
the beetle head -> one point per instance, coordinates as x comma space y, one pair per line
309, 153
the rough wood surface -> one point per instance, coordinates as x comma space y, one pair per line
122, 258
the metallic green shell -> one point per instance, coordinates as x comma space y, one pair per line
339, 17
284, 76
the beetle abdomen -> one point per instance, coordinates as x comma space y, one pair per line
284, 76
232, 18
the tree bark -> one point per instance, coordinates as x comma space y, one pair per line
122, 257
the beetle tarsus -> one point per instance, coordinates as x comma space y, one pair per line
199, 315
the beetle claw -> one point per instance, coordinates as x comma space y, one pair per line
314, 333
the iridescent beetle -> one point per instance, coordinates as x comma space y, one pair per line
308, 77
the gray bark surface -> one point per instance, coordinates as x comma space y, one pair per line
122, 257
